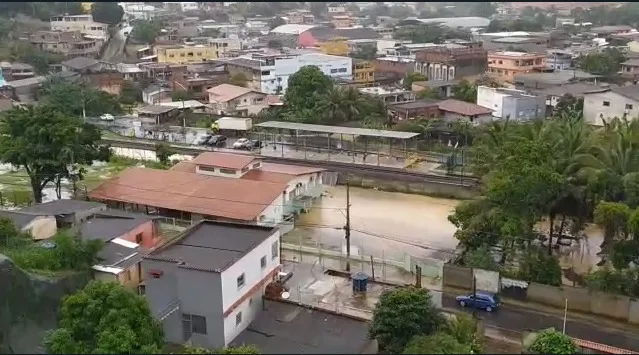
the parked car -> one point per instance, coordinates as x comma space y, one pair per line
107, 117
217, 140
481, 300
243, 143
202, 140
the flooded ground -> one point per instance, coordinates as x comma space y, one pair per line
383, 224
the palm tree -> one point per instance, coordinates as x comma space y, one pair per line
331, 106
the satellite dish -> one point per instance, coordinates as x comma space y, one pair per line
286, 295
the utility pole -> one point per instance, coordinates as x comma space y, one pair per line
347, 228
565, 315
474, 295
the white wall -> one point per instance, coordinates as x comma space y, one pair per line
594, 107
82, 23
285, 67
250, 266
490, 99
249, 308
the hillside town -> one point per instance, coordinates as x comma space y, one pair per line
319, 177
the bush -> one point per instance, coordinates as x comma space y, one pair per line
550, 341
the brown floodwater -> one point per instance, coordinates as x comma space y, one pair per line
391, 225
384, 224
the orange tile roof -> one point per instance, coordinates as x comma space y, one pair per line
603, 348
184, 166
261, 175
224, 160
232, 198
226, 92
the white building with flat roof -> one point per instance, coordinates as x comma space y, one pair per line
82, 23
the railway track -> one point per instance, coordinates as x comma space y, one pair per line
339, 167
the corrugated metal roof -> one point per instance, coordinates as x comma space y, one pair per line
338, 130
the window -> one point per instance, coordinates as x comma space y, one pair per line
606, 103
206, 168
192, 323
238, 318
227, 171
275, 250
342, 70
256, 165
263, 262
500, 62
128, 275
245, 169
240, 281
333, 71
266, 72
628, 107
138, 238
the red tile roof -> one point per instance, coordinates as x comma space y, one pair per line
463, 108
600, 348
232, 198
290, 169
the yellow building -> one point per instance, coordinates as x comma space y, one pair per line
86, 7
335, 46
186, 54
363, 72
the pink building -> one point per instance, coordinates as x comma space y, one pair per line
505, 65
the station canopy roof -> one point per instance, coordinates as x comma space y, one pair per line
337, 130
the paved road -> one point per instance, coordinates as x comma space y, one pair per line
115, 46
521, 319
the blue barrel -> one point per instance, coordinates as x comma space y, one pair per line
360, 282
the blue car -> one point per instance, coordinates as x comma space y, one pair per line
481, 300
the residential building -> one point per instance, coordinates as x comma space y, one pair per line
16, 71
445, 64
83, 24
578, 90
313, 331
363, 72
181, 6
179, 54
119, 261
155, 94
157, 114
615, 102
226, 29
303, 183
195, 196
558, 59
38, 226
396, 65
504, 66
23, 89
630, 69
336, 9
71, 44
389, 94
541, 81
511, 104
269, 73
384, 32
443, 88
452, 22
206, 287
227, 99
335, 46
424, 108
453, 110
136, 228
83, 65
68, 213
138, 10
341, 21
606, 31
299, 17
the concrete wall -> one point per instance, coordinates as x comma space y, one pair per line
486, 280
458, 276
423, 188
633, 311
581, 300
150, 237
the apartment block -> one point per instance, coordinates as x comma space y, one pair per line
441, 63
516, 105
179, 54
82, 23
506, 65
71, 44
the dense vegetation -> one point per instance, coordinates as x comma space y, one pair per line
405, 320
562, 172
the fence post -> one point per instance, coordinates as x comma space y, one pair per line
1, 199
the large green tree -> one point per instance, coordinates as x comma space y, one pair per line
75, 98
402, 314
146, 31
438, 343
107, 12
305, 87
105, 318
45, 142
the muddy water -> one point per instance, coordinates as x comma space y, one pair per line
391, 225
378, 221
